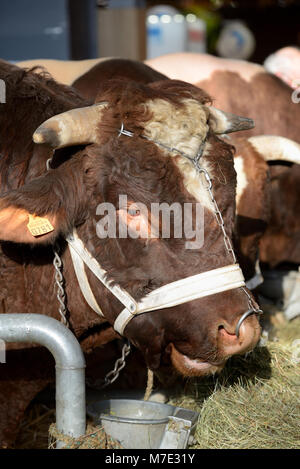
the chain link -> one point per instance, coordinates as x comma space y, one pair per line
59, 281
119, 365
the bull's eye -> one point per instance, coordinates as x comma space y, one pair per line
134, 212
135, 216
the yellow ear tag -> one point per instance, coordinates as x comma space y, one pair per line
39, 226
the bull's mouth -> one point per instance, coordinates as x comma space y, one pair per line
193, 367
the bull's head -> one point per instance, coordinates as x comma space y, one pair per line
169, 122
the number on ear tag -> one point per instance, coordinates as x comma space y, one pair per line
39, 226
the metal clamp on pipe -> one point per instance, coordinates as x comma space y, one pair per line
69, 364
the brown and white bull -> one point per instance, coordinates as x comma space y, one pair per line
140, 141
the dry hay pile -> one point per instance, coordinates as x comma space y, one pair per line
253, 403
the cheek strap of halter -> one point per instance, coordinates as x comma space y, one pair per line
80, 256
172, 294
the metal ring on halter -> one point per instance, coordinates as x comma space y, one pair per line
243, 317
48, 164
125, 132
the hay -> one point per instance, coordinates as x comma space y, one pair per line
288, 332
254, 403
149, 387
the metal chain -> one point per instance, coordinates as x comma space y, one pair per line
217, 211
119, 365
220, 222
59, 278
59, 281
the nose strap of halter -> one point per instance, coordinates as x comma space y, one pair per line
184, 290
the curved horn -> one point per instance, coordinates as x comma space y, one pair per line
225, 122
74, 127
273, 147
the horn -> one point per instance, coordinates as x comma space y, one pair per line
74, 127
273, 147
225, 122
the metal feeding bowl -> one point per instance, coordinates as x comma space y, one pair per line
145, 425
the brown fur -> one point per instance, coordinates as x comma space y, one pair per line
265, 98
281, 244
88, 83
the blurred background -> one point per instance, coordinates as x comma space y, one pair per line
140, 29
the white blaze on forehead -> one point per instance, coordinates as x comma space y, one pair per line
185, 129
241, 178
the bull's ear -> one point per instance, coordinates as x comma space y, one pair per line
43, 208
21, 226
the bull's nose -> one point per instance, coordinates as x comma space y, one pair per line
248, 336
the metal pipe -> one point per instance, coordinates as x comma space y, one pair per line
69, 364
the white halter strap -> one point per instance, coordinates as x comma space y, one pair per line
184, 290
174, 293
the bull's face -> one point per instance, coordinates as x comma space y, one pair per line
131, 174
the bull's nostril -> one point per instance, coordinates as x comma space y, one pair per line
225, 336
232, 343
226, 329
